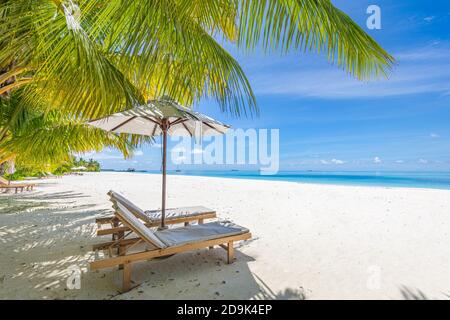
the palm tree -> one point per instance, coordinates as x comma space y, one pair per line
37, 139
79, 59
119, 52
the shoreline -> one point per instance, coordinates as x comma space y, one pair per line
171, 174
310, 241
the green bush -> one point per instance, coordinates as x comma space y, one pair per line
23, 171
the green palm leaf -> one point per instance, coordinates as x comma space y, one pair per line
50, 138
123, 49
121, 52
312, 25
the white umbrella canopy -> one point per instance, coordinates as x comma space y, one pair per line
149, 120
161, 117
81, 168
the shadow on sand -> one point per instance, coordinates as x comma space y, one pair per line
51, 196
34, 201
45, 242
41, 239
416, 294
201, 274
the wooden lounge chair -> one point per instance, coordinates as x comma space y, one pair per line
164, 243
112, 225
5, 184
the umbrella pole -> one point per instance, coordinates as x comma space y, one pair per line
164, 128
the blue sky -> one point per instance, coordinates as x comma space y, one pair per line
329, 121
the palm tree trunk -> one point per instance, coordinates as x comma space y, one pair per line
11, 167
2, 168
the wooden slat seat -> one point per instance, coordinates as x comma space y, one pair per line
152, 218
6, 184
165, 243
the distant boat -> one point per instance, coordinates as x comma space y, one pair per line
131, 170
234, 170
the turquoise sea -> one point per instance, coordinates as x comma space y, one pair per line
435, 180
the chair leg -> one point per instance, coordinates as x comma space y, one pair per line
120, 234
114, 224
121, 251
115, 236
230, 252
186, 223
201, 221
126, 277
211, 247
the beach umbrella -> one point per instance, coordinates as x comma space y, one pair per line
81, 168
163, 117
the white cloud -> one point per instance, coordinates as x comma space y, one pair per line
156, 145
332, 161
100, 156
399, 161
377, 160
429, 18
139, 153
421, 71
337, 161
434, 135
179, 159
423, 161
424, 54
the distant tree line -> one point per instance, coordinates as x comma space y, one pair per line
23, 171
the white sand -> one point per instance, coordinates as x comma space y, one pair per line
309, 241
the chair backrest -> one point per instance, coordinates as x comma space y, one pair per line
138, 227
134, 209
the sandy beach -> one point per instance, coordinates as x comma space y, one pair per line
309, 241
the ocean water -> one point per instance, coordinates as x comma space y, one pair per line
435, 180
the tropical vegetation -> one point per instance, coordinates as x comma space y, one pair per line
24, 171
65, 61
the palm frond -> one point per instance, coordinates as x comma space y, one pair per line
119, 49
311, 25
164, 47
50, 137
57, 142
